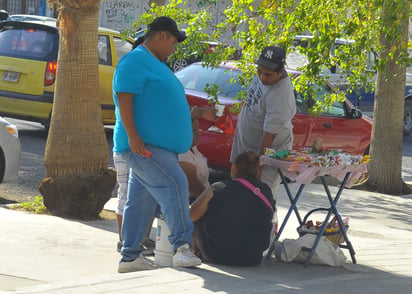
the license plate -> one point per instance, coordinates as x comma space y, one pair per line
10, 76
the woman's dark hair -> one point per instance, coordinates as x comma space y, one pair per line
248, 165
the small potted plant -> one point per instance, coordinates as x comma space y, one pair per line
212, 92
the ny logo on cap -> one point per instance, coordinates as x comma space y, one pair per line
269, 54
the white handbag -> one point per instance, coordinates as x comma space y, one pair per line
326, 253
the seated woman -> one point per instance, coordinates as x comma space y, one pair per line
232, 222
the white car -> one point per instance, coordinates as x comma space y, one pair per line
30, 17
10, 149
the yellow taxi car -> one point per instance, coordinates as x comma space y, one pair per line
28, 62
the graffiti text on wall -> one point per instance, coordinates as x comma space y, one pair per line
120, 14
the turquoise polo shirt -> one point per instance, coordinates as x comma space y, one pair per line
160, 109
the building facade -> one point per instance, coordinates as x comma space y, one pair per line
36, 7
114, 14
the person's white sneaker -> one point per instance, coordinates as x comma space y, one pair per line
184, 256
139, 264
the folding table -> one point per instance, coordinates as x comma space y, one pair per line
305, 174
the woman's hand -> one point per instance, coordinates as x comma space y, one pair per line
199, 207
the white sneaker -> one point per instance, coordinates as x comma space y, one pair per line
139, 264
184, 256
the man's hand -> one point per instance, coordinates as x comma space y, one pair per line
266, 142
137, 145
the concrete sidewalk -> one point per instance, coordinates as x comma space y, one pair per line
48, 254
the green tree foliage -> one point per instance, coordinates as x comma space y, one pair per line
252, 25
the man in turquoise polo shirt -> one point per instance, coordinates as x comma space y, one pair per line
153, 124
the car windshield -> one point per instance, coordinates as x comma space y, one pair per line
122, 47
19, 17
196, 76
320, 95
29, 43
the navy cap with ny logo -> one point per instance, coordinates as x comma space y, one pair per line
272, 57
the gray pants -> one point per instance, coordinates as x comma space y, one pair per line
270, 176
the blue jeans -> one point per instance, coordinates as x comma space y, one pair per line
152, 181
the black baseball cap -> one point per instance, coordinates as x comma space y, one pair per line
272, 57
165, 23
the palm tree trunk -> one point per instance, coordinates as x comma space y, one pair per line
77, 182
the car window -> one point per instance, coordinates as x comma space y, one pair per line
105, 56
371, 59
195, 77
122, 47
296, 59
16, 17
301, 103
31, 18
324, 92
370, 56
29, 43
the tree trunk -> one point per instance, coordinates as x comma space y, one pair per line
77, 182
385, 168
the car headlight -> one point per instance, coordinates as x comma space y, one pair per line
12, 129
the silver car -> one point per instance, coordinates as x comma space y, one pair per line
10, 149
29, 17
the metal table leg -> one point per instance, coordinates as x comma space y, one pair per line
333, 203
333, 210
293, 207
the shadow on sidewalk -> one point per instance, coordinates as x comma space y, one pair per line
377, 209
278, 277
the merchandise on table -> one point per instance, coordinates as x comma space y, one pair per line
319, 158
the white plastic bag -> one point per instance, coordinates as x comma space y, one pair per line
327, 252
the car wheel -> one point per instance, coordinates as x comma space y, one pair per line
46, 124
178, 64
407, 119
2, 165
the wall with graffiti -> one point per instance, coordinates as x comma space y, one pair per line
120, 14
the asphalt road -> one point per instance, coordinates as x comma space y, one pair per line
33, 140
